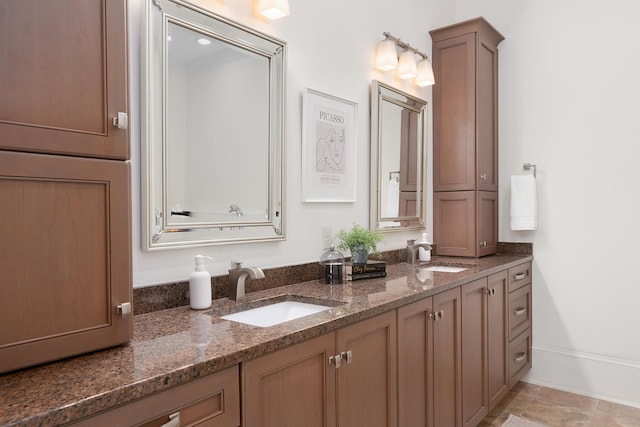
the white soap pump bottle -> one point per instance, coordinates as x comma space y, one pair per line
200, 285
424, 254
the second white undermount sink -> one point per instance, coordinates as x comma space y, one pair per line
274, 314
444, 268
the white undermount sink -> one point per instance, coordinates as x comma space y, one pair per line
274, 314
444, 268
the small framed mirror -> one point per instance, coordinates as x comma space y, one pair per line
213, 137
398, 158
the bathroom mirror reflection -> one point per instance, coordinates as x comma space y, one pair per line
213, 138
398, 152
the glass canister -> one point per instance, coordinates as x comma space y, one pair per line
333, 267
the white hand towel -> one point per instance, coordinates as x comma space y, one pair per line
524, 207
393, 199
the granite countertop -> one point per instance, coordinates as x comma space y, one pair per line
173, 346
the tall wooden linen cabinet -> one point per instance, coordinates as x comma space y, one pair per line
65, 198
465, 138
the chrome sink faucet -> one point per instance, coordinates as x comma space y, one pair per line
237, 276
412, 250
237, 210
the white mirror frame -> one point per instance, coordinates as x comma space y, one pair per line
156, 235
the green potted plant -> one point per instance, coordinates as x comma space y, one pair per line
360, 241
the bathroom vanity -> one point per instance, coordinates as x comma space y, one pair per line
390, 349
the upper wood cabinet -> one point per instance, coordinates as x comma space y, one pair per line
65, 184
63, 77
465, 138
65, 256
465, 106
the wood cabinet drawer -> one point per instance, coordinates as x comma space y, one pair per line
212, 401
519, 310
519, 357
519, 276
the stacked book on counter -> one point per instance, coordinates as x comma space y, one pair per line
370, 270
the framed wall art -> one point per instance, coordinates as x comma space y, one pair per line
329, 148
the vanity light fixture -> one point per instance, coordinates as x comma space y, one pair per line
273, 9
387, 59
407, 67
386, 56
424, 74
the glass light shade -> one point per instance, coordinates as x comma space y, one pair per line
424, 75
273, 9
407, 65
386, 56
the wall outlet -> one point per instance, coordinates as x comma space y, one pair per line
327, 236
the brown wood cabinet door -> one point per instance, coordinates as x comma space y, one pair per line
63, 76
474, 357
465, 223
367, 384
487, 113
415, 364
484, 341
487, 226
291, 387
454, 100
454, 223
65, 256
447, 359
497, 337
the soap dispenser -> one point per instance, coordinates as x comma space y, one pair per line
200, 285
424, 254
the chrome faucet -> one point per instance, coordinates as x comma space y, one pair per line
412, 250
236, 209
237, 276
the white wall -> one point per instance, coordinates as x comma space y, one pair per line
569, 91
330, 48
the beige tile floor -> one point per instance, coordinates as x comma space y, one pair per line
558, 408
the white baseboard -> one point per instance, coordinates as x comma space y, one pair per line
586, 374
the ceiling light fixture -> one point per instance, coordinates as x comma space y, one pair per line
273, 9
387, 59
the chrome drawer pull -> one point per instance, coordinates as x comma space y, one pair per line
519, 276
520, 357
520, 311
174, 420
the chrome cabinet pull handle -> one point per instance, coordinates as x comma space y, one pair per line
520, 311
174, 420
336, 361
347, 356
124, 309
121, 121
520, 357
519, 276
